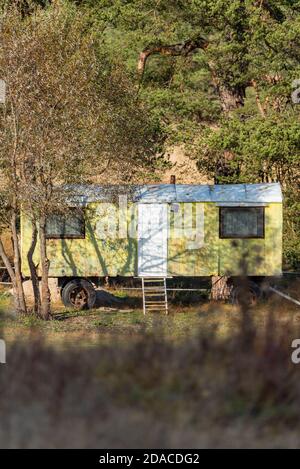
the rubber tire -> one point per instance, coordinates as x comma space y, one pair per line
252, 287
74, 284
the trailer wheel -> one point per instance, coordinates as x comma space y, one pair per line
248, 294
78, 293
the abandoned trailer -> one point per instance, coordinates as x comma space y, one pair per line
155, 232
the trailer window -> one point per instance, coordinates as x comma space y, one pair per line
68, 225
242, 222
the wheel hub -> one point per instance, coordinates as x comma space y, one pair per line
79, 297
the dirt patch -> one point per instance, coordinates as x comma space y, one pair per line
184, 168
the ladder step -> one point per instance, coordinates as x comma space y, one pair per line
153, 280
151, 303
154, 298
154, 294
159, 292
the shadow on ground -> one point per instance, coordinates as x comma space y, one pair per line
105, 298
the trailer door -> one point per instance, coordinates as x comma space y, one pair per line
152, 240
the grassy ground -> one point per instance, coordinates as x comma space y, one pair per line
207, 375
126, 324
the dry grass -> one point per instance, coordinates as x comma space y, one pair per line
211, 376
127, 325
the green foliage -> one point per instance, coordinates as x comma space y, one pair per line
291, 229
265, 150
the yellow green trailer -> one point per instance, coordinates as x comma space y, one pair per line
162, 231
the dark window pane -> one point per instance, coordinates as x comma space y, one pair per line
242, 222
69, 225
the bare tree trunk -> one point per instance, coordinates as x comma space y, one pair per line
17, 265
220, 288
33, 271
230, 98
11, 273
45, 291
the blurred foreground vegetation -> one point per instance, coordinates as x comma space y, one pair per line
204, 376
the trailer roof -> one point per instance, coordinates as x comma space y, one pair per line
172, 193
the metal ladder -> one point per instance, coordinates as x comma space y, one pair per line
155, 294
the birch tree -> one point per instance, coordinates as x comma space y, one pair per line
71, 117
